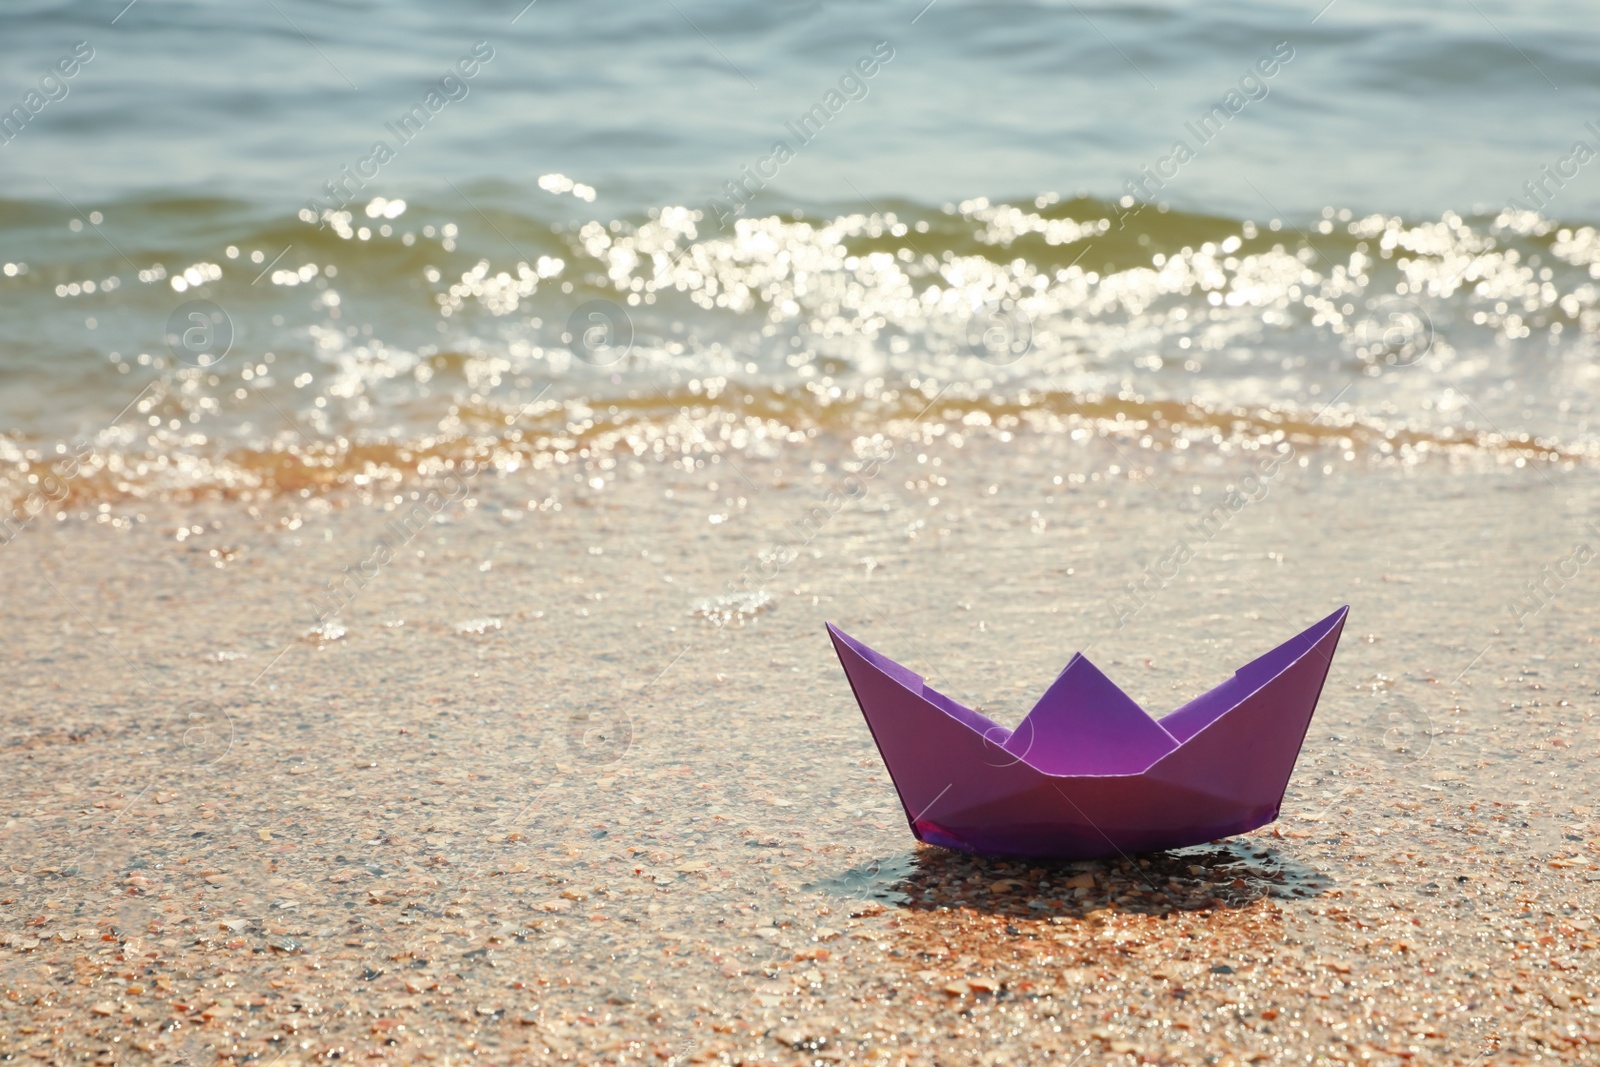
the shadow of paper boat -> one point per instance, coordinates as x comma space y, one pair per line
1088, 773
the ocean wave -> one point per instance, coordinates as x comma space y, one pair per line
408, 326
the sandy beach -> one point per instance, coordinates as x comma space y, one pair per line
548, 790
434, 441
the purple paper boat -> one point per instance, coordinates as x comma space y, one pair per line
1088, 773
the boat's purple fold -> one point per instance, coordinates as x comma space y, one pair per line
1087, 773
1084, 724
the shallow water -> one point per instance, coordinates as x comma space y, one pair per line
549, 254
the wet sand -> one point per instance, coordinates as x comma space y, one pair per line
539, 795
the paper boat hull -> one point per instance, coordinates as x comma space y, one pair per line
1103, 819
968, 784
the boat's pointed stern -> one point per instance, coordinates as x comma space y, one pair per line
1205, 709
933, 747
1242, 739
864, 664
862, 656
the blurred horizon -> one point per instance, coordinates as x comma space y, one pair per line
1406, 109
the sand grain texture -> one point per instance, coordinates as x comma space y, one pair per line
540, 796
